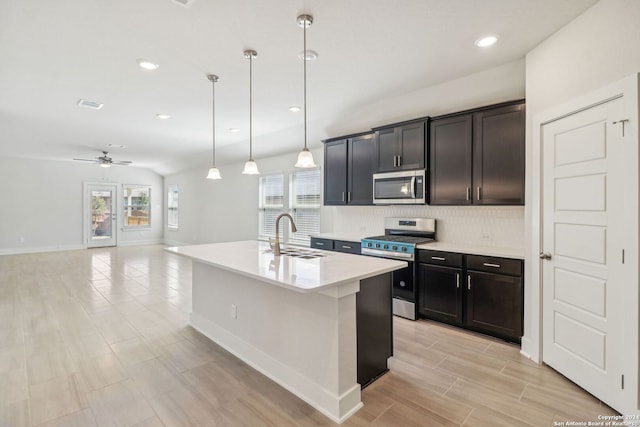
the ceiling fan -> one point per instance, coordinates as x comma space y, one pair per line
105, 161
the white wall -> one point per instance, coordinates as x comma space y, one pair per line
597, 48
222, 210
42, 203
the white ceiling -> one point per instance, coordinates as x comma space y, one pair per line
52, 53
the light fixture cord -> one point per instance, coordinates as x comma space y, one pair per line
304, 59
250, 107
213, 109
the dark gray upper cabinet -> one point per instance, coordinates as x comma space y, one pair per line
348, 170
499, 149
477, 157
400, 146
451, 160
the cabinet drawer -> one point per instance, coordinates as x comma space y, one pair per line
345, 246
449, 259
512, 267
326, 244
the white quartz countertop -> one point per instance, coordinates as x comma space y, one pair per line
502, 252
346, 236
255, 259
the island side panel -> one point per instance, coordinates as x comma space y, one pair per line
305, 342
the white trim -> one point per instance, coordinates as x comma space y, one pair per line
158, 241
85, 214
170, 242
38, 249
321, 399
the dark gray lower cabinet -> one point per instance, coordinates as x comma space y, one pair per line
373, 316
481, 293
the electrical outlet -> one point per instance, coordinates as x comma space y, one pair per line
485, 236
234, 311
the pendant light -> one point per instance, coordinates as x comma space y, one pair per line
214, 173
305, 158
250, 167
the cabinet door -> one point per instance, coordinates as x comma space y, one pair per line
494, 304
411, 141
499, 152
335, 172
450, 160
360, 170
386, 150
439, 292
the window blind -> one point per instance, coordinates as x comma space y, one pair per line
305, 204
270, 205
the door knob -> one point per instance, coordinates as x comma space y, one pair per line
545, 255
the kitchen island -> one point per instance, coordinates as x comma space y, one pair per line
291, 317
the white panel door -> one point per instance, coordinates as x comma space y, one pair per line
586, 335
100, 221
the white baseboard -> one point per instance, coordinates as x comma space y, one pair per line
525, 349
141, 242
170, 242
337, 408
38, 249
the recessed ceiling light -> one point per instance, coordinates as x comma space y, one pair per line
89, 104
311, 55
486, 41
294, 109
234, 130
163, 116
147, 65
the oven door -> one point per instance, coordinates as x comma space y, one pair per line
399, 188
404, 292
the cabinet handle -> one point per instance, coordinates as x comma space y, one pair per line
348, 196
319, 243
458, 280
468, 193
399, 160
478, 193
488, 264
395, 162
468, 283
438, 258
343, 196
346, 247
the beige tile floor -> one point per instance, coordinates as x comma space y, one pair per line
99, 337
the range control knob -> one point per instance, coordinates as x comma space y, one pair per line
404, 249
377, 245
386, 246
394, 247
369, 244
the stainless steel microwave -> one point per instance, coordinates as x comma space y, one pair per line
400, 188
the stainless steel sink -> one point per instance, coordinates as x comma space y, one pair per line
303, 253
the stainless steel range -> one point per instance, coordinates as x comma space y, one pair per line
401, 237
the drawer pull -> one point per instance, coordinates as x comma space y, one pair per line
319, 243
457, 280
488, 264
346, 247
468, 283
438, 258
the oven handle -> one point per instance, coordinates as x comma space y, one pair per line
384, 254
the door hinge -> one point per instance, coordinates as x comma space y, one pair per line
622, 381
623, 121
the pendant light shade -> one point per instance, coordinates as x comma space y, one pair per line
250, 167
305, 158
214, 173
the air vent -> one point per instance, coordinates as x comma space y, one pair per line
184, 3
90, 104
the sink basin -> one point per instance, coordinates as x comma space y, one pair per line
303, 253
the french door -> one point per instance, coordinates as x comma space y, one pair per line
101, 215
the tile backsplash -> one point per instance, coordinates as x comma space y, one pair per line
476, 225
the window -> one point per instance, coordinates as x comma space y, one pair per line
270, 204
301, 199
137, 206
172, 207
304, 204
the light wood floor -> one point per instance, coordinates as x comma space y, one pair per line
100, 337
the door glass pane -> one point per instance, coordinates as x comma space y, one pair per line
101, 214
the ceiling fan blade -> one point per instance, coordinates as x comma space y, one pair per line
122, 163
88, 160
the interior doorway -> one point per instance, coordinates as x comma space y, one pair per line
101, 215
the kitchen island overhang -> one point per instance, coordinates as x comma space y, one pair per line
293, 318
